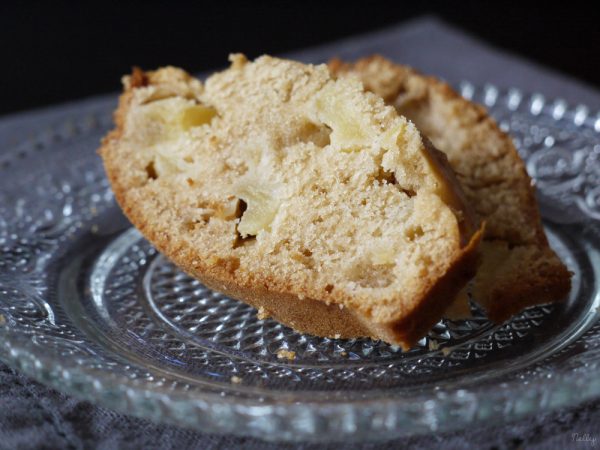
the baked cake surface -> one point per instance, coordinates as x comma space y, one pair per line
302, 195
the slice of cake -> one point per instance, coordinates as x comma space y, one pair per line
302, 195
518, 269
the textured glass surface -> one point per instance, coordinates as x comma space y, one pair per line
89, 307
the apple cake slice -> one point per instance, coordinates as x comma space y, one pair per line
300, 194
518, 268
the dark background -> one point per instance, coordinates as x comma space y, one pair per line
56, 51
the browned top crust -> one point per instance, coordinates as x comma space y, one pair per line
519, 269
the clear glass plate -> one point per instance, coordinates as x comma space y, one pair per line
88, 306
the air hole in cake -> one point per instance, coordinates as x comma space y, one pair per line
413, 233
304, 257
425, 263
151, 171
240, 240
318, 189
239, 167
190, 225
344, 179
329, 288
385, 177
242, 206
409, 192
317, 134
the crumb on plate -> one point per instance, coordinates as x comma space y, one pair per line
262, 314
433, 344
286, 354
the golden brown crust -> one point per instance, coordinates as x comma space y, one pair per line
303, 314
411, 328
519, 268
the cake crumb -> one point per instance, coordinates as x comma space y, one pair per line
286, 354
433, 344
2, 320
236, 379
446, 351
94, 229
343, 353
337, 336
262, 314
